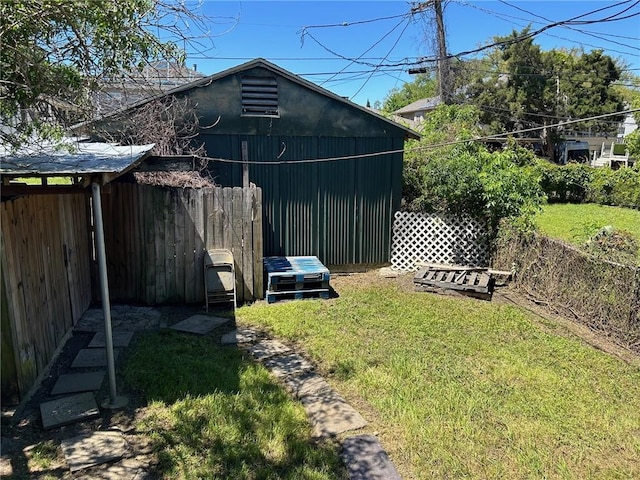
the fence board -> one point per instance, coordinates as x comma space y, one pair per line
63, 298
15, 293
236, 227
199, 244
247, 240
258, 289
218, 219
150, 247
170, 246
126, 238
41, 293
190, 247
180, 255
166, 232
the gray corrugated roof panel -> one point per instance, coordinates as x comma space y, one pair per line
76, 159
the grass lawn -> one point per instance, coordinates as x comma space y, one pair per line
213, 413
458, 388
576, 223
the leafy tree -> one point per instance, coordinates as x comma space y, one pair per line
588, 90
424, 86
511, 92
54, 53
526, 87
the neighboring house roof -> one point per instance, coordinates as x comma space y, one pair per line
258, 62
407, 122
422, 105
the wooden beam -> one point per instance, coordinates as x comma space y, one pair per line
245, 164
109, 177
184, 163
18, 190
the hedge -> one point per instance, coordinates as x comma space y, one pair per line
577, 183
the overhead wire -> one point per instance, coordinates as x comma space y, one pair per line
584, 32
499, 136
373, 46
388, 53
504, 42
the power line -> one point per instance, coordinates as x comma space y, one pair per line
584, 32
572, 21
388, 53
510, 18
374, 45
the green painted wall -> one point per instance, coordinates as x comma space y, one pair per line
342, 211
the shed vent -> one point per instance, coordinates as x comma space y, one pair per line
260, 96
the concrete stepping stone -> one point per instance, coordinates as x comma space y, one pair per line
92, 357
78, 382
199, 324
365, 459
71, 409
92, 321
6, 469
125, 469
330, 414
304, 385
288, 365
241, 335
121, 338
91, 449
268, 348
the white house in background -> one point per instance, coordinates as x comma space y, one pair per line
614, 154
416, 111
154, 79
628, 126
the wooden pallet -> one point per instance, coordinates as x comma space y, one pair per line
296, 278
470, 281
297, 294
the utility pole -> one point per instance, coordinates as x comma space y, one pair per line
444, 84
443, 60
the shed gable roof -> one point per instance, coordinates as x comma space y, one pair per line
260, 62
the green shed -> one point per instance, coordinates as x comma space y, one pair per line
330, 170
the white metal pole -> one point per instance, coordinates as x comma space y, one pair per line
114, 401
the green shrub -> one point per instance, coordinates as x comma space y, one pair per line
615, 187
578, 183
566, 183
483, 185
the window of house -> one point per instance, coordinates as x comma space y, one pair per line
260, 96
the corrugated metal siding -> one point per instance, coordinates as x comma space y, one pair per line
341, 211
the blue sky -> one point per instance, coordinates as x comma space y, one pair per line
320, 39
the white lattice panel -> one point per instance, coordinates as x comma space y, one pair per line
437, 238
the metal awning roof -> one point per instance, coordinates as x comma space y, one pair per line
71, 159
83, 162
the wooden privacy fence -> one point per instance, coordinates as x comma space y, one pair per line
157, 237
45, 260
437, 238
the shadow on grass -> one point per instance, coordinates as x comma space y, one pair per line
213, 413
